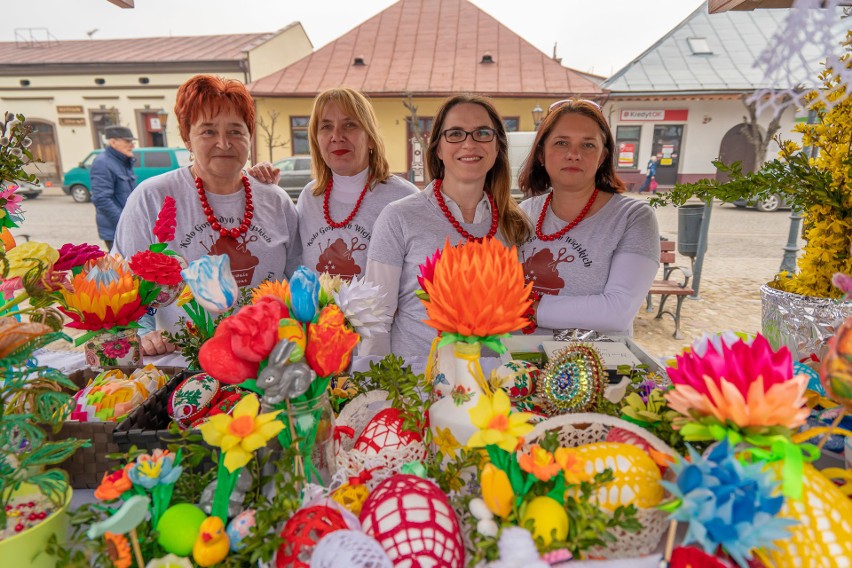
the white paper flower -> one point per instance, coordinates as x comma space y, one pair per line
363, 304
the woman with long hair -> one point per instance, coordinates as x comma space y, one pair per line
469, 198
594, 252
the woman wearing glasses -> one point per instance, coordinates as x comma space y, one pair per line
469, 198
594, 252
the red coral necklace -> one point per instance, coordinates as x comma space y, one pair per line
495, 216
327, 214
214, 223
540, 234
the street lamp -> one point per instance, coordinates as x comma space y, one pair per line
537, 113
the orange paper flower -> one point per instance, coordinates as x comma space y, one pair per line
330, 343
477, 290
113, 485
539, 462
280, 290
118, 550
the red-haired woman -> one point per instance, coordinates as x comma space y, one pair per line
594, 252
220, 209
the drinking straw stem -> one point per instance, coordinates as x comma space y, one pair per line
831, 429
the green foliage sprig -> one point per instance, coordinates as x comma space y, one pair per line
15, 142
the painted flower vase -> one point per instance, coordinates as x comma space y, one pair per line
113, 349
168, 294
464, 387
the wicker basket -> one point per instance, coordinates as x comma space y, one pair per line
586, 428
356, 415
86, 467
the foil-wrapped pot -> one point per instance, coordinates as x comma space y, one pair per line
803, 323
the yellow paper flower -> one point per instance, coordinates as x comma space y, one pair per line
496, 490
241, 433
280, 290
446, 442
185, 296
497, 424
329, 285
572, 464
539, 462
19, 257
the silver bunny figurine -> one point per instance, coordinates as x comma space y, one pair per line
282, 379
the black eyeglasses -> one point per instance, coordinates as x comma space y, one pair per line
558, 104
457, 135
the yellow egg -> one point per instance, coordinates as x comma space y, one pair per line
548, 516
636, 476
823, 536
351, 496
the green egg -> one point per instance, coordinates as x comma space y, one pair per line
179, 527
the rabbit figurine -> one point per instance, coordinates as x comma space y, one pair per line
282, 379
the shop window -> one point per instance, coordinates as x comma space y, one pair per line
299, 134
511, 124
627, 146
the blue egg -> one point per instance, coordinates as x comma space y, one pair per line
239, 528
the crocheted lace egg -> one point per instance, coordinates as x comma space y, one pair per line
823, 536
414, 523
303, 531
636, 476
385, 432
349, 549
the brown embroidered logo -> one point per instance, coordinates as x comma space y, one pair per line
243, 262
543, 270
337, 259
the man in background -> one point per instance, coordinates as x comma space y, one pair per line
112, 180
651, 178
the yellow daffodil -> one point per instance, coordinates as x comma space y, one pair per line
497, 424
496, 490
446, 442
539, 462
573, 466
242, 433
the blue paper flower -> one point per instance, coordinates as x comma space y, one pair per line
304, 294
212, 283
156, 469
728, 504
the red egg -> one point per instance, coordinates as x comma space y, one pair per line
413, 521
385, 432
302, 533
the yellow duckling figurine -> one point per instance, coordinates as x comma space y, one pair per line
212, 544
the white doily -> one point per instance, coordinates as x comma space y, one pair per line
356, 415
587, 428
809, 31
349, 549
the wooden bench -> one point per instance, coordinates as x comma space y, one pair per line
668, 287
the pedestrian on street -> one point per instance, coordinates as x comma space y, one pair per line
112, 180
651, 178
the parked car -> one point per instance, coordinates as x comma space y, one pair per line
150, 162
771, 203
26, 189
295, 174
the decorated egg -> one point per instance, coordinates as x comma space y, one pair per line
385, 432
239, 528
351, 496
413, 521
192, 399
622, 436
636, 478
302, 533
349, 549
573, 380
823, 535
836, 370
179, 527
549, 518
517, 378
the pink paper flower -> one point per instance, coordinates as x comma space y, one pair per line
427, 269
164, 228
9, 200
9, 286
842, 282
72, 256
747, 384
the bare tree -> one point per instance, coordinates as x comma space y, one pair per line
759, 140
267, 127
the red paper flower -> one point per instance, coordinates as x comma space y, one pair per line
330, 343
164, 228
427, 269
242, 341
156, 267
71, 256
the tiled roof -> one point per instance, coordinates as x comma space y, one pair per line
428, 48
137, 50
735, 40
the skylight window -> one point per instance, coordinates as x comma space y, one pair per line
699, 46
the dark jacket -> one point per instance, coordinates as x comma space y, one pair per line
112, 180
652, 168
